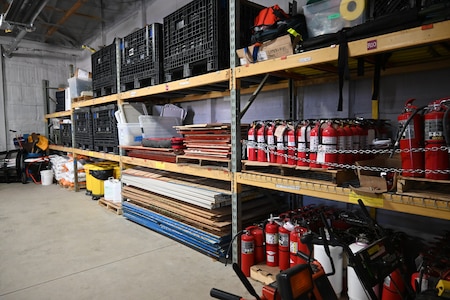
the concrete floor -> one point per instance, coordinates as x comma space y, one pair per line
59, 244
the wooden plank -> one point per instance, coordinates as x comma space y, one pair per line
264, 273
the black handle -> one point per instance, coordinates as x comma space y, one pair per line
245, 281
219, 294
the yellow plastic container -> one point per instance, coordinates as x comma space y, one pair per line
87, 167
97, 176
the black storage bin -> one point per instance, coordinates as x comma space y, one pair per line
60, 101
141, 58
65, 133
196, 37
105, 131
84, 137
104, 71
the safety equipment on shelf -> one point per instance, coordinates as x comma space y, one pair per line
327, 145
303, 138
291, 145
436, 158
261, 154
270, 139
314, 145
251, 142
281, 140
410, 123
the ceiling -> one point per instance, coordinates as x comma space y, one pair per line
66, 23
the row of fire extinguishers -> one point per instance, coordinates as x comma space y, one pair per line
424, 138
327, 143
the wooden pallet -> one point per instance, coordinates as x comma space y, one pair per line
82, 98
204, 161
264, 273
114, 207
335, 177
425, 188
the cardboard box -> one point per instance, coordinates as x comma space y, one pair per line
279, 47
82, 74
373, 183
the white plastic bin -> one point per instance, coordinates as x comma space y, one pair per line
159, 127
330, 16
130, 134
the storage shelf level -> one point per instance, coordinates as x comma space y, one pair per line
395, 202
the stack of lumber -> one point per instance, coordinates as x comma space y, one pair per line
203, 192
207, 140
202, 227
159, 154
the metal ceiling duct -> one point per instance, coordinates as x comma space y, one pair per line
20, 14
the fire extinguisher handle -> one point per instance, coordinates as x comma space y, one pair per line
219, 294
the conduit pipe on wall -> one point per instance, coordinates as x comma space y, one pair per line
29, 27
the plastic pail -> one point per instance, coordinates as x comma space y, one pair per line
47, 177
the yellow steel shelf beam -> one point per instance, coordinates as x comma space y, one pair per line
183, 84
59, 114
213, 173
101, 155
96, 101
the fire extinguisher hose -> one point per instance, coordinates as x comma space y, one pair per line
400, 134
227, 255
446, 125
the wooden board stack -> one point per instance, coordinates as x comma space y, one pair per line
207, 141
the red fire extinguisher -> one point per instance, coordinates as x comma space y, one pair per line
411, 126
247, 252
283, 248
436, 159
341, 143
349, 157
281, 139
355, 141
251, 142
314, 145
272, 241
261, 142
303, 132
328, 146
270, 137
291, 145
393, 287
297, 245
258, 234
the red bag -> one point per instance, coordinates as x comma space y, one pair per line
269, 17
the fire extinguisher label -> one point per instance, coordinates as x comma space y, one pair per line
284, 240
293, 247
409, 132
261, 139
314, 143
247, 247
272, 238
271, 140
434, 129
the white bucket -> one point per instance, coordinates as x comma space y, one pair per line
46, 177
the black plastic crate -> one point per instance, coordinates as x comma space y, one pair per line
105, 128
65, 133
141, 58
60, 101
104, 71
196, 37
84, 137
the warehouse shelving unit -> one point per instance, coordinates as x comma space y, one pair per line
311, 67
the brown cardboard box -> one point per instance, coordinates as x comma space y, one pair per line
371, 182
279, 47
